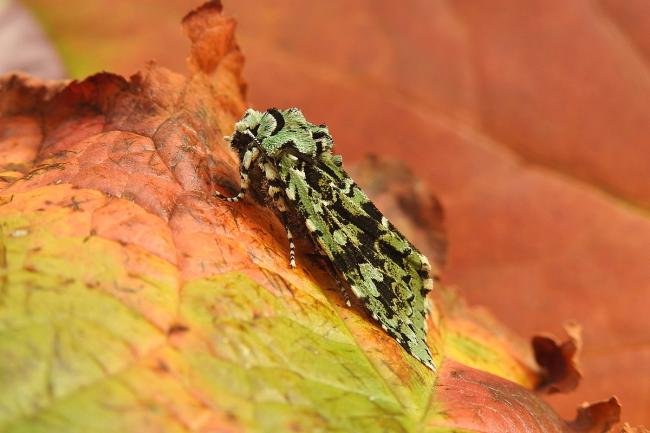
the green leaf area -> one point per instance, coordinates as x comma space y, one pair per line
100, 335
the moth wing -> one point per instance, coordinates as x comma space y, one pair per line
382, 268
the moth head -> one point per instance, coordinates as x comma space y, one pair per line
290, 131
246, 131
277, 130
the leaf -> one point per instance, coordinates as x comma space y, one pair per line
597, 417
559, 361
132, 301
629, 429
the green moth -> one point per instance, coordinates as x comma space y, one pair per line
289, 161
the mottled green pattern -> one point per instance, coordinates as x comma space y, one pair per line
302, 177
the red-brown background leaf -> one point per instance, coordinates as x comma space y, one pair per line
528, 120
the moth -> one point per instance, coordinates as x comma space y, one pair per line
291, 161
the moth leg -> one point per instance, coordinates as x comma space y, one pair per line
275, 192
292, 246
342, 288
282, 207
251, 155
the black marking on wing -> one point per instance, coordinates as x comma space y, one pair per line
372, 211
365, 234
313, 177
352, 254
392, 252
279, 120
368, 225
308, 163
331, 173
289, 147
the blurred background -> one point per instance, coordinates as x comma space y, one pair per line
530, 120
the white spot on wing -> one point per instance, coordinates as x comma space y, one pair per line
269, 171
291, 193
358, 293
310, 225
425, 263
340, 237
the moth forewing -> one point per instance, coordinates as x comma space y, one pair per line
303, 179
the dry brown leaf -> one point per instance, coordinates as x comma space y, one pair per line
559, 361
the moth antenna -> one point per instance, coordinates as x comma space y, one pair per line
253, 137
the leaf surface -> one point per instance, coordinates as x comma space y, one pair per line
133, 301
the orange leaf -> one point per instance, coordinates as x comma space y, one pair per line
132, 301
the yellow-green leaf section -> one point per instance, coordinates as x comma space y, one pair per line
102, 335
